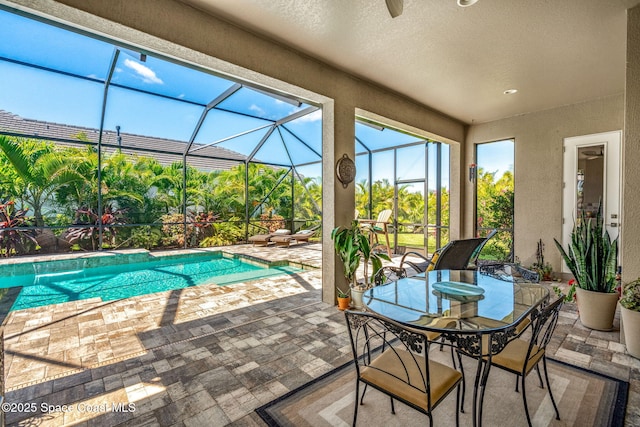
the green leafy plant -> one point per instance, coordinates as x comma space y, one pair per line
12, 240
87, 225
591, 256
225, 233
145, 237
352, 246
631, 295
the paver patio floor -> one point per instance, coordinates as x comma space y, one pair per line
209, 355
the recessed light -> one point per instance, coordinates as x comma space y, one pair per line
465, 3
510, 91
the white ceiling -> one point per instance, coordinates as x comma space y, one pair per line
456, 60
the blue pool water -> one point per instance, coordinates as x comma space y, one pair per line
73, 281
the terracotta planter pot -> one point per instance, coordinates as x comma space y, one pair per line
631, 327
344, 303
597, 309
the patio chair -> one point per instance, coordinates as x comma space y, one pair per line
379, 226
264, 239
520, 356
403, 370
455, 255
301, 236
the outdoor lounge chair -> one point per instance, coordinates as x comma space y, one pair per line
379, 226
301, 236
264, 239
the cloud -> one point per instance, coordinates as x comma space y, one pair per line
146, 73
258, 110
311, 117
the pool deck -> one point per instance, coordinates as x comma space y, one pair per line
209, 355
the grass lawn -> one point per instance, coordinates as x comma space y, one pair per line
411, 240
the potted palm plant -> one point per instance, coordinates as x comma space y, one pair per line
592, 258
352, 247
630, 313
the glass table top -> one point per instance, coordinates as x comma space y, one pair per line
478, 301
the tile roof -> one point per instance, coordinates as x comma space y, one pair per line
166, 151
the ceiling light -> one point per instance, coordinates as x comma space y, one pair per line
395, 7
465, 3
510, 91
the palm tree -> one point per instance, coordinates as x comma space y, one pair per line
41, 171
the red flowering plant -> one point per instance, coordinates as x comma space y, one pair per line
203, 221
14, 239
570, 296
87, 224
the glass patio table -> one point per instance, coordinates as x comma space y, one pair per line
483, 308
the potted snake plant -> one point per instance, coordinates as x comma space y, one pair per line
630, 313
592, 258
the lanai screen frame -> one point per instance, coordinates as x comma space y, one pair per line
369, 152
190, 145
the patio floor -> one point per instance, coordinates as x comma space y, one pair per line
210, 354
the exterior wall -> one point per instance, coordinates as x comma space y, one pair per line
538, 167
631, 148
182, 32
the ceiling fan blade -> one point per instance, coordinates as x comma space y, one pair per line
395, 7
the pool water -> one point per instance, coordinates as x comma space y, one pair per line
50, 284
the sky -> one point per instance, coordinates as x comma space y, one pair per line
167, 102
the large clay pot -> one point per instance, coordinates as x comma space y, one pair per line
631, 327
597, 309
356, 298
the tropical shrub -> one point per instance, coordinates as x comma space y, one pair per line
145, 236
173, 230
204, 224
87, 226
226, 233
271, 221
15, 241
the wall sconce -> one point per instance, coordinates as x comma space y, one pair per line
345, 170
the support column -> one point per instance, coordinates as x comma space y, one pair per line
630, 229
338, 203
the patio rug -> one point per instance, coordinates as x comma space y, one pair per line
584, 398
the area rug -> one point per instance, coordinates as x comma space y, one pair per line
585, 398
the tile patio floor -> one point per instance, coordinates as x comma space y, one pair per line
210, 355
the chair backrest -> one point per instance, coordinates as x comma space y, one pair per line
383, 217
456, 255
544, 323
476, 253
404, 363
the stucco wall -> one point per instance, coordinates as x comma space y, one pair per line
538, 167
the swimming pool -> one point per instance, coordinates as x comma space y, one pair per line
117, 277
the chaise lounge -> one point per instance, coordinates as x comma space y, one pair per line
300, 237
264, 239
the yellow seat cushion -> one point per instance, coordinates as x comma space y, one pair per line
432, 264
513, 356
408, 382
